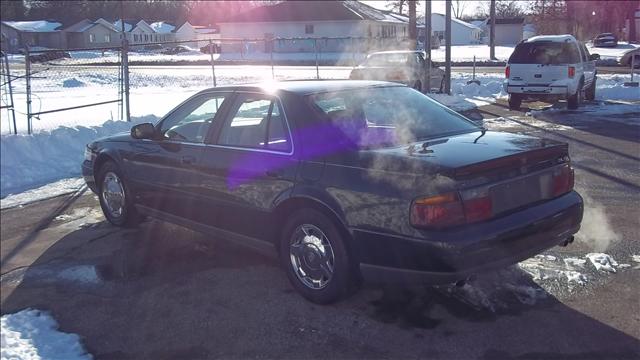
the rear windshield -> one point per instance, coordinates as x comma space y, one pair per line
388, 116
388, 59
545, 52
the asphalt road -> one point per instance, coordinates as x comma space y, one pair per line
164, 292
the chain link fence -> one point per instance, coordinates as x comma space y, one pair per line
52, 88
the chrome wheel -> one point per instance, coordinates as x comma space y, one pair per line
113, 194
311, 256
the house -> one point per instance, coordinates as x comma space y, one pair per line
164, 31
462, 33
331, 25
509, 31
41, 33
137, 31
201, 34
92, 34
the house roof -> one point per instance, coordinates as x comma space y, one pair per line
34, 26
313, 11
87, 24
162, 27
458, 21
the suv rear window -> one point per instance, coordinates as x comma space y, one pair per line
545, 52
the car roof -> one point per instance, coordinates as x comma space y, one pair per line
552, 38
305, 87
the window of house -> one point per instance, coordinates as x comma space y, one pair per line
107, 38
92, 38
308, 29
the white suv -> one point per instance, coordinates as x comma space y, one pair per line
550, 68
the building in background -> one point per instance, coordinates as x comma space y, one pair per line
462, 33
41, 33
333, 25
92, 34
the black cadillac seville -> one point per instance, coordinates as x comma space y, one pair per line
346, 180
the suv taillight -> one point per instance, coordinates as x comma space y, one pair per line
450, 209
572, 71
507, 71
563, 180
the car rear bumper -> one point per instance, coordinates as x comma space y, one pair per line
448, 256
537, 90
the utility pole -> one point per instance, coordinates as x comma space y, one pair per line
413, 30
427, 46
492, 35
447, 54
125, 63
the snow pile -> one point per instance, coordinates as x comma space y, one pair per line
28, 161
611, 87
48, 191
602, 262
72, 82
547, 267
32, 334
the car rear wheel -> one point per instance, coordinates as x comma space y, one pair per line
115, 198
515, 101
417, 85
574, 100
315, 258
590, 93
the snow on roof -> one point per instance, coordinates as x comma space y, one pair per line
118, 24
162, 27
553, 38
34, 26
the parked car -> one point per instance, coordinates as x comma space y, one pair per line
210, 48
405, 67
177, 50
550, 68
346, 180
631, 57
605, 40
153, 48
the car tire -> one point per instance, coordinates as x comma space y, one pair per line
590, 93
314, 255
441, 86
115, 197
417, 85
515, 101
573, 102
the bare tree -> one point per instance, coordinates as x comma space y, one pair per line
458, 6
413, 29
396, 5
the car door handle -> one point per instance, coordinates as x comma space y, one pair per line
188, 159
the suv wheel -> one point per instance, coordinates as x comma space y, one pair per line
115, 199
590, 93
574, 100
417, 85
314, 256
515, 101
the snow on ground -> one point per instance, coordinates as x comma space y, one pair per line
465, 53
602, 262
33, 334
57, 188
29, 161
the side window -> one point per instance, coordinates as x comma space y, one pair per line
586, 52
257, 123
583, 56
191, 122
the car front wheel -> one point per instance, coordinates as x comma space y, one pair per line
590, 93
115, 198
315, 258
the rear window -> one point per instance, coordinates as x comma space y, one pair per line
545, 52
388, 116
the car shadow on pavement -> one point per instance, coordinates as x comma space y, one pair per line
165, 292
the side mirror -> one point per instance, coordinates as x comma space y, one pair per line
594, 57
143, 131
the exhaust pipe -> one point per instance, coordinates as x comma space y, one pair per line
567, 241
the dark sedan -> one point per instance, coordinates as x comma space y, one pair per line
605, 40
347, 180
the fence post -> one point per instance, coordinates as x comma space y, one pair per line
10, 90
125, 73
273, 75
213, 65
315, 48
27, 64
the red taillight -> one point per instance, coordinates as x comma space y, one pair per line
450, 209
507, 71
572, 71
563, 180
